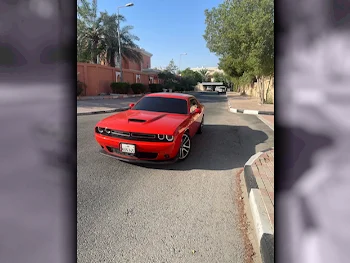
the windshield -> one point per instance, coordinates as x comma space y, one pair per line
160, 104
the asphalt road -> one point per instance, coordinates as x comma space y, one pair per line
131, 213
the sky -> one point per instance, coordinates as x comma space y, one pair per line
167, 28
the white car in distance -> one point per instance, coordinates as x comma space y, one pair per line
220, 89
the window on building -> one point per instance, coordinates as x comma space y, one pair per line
138, 78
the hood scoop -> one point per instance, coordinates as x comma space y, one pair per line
137, 120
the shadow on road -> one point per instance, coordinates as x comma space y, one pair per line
220, 147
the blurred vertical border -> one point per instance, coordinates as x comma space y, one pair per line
38, 63
299, 24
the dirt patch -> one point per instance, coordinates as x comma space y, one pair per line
252, 254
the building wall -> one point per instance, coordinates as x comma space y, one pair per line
98, 78
253, 90
146, 61
145, 64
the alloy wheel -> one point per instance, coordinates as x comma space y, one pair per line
185, 147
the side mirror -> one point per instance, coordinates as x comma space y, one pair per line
131, 105
198, 110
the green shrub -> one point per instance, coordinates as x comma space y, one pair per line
180, 89
80, 87
138, 88
156, 88
120, 87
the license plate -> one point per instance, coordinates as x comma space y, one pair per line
127, 148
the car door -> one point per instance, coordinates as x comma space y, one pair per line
195, 117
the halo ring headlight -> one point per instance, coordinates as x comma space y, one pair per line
161, 137
108, 131
169, 138
100, 130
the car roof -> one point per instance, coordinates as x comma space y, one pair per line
172, 95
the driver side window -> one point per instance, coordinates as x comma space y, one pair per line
193, 105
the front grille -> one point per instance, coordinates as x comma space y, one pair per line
143, 136
141, 155
120, 133
134, 136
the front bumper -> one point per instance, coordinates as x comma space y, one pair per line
139, 161
146, 152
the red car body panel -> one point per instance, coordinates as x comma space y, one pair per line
152, 123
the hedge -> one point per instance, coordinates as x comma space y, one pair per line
138, 88
120, 87
156, 88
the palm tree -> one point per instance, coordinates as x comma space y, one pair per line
89, 30
97, 36
204, 74
129, 49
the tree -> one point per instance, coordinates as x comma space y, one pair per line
241, 33
129, 49
171, 67
204, 74
90, 31
219, 77
97, 36
191, 76
169, 78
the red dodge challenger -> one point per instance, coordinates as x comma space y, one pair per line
157, 129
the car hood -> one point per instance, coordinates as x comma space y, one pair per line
144, 122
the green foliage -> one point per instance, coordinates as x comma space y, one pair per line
120, 87
219, 77
80, 87
156, 88
97, 35
138, 88
241, 33
186, 82
192, 77
171, 67
169, 78
204, 75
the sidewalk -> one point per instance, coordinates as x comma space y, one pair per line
268, 120
259, 181
247, 104
96, 106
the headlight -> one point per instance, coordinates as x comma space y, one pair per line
99, 129
169, 138
108, 131
163, 137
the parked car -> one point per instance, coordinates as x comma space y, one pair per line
157, 129
220, 89
209, 89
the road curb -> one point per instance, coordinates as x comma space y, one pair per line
251, 112
263, 227
101, 112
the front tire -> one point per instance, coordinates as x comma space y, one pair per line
185, 147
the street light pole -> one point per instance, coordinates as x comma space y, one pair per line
182, 54
119, 42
